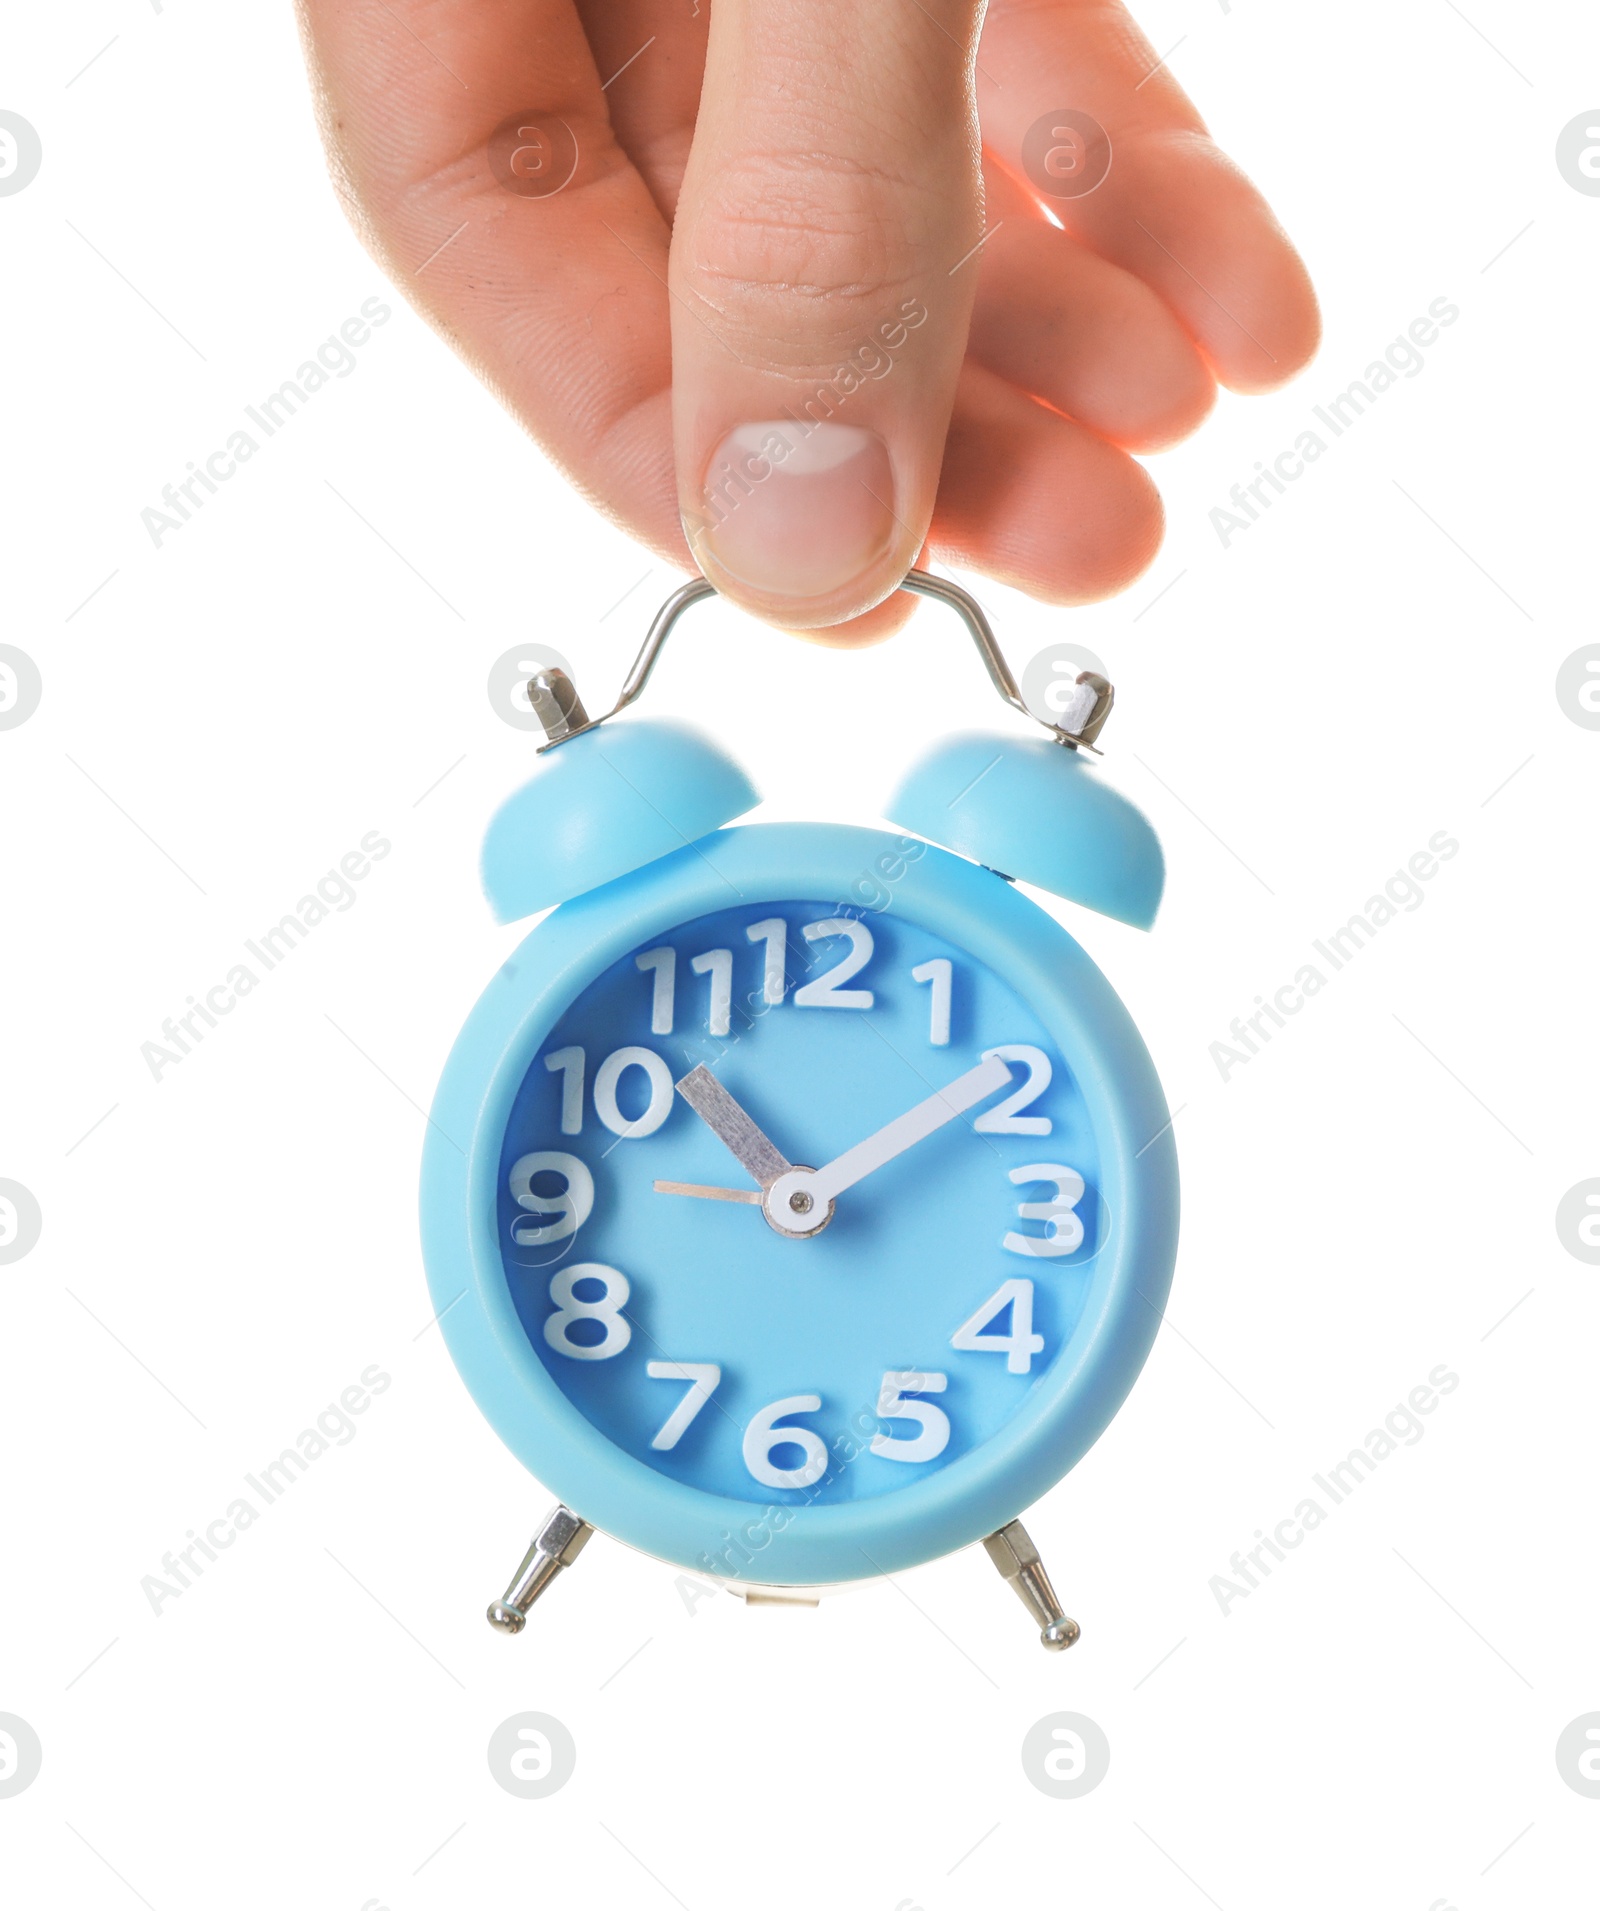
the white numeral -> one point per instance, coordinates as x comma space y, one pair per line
718, 964
1020, 1345
774, 932
938, 973
607, 1311
826, 992
572, 1207
893, 1404
702, 1378
1006, 1118
665, 964
762, 1437
611, 1071
1063, 1230
568, 1063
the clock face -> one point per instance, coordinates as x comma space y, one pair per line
846, 1251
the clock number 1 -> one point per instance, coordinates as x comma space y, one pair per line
938, 973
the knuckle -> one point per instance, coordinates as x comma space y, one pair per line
773, 236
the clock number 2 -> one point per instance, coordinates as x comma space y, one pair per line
1006, 1117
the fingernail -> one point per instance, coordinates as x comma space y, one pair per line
796, 510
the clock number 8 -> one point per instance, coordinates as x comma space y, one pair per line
606, 1312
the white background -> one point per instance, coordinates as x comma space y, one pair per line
225, 1250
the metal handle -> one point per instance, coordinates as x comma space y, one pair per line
544, 687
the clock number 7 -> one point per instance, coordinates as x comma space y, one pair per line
703, 1378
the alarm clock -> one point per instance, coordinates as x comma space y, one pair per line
799, 1201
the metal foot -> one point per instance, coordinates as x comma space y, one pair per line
558, 1542
1017, 1560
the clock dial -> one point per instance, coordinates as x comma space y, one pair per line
797, 1205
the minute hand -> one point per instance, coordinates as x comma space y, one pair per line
906, 1130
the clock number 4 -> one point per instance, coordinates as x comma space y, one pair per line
1020, 1345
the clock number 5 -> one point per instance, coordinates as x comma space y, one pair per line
894, 1404
1063, 1231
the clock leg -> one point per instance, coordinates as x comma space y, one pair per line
558, 1542
1017, 1561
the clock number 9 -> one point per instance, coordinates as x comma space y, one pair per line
571, 1207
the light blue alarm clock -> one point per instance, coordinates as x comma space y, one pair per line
800, 1201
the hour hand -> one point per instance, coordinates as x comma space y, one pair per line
732, 1126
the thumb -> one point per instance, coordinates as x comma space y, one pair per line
822, 280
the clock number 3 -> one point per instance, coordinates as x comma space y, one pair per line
1063, 1230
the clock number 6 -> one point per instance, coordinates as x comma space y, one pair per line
1063, 1230
763, 1437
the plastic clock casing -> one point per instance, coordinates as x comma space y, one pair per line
1062, 1416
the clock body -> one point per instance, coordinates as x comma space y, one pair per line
806, 1410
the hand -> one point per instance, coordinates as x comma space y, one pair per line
793, 1199
764, 197
758, 1156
